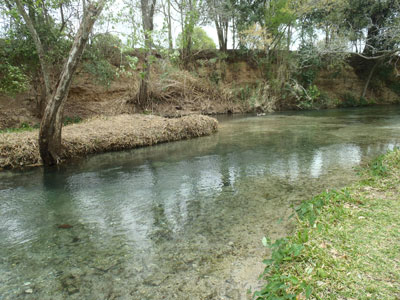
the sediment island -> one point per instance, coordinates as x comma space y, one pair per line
101, 134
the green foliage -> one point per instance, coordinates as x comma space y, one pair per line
351, 100
309, 98
309, 64
19, 45
132, 62
281, 286
200, 40
191, 17
281, 283
305, 98
27, 127
277, 14
23, 127
72, 120
106, 45
215, 77
378, 168
12, 79
101, 70
334, 229
243, 93
103, 49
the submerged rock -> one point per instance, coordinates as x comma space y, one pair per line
65, 226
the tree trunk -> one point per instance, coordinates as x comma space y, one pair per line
50, 127
222, 32
170, 42
289, 37
233, 33
148, 26
364, 92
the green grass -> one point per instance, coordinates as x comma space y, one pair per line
346, 244
28, 127
23, 127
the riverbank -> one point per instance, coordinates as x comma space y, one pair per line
232, 83
346, 244
101, 134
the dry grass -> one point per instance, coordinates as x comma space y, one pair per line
103, 134
174, 86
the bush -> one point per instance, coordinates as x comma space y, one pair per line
350, 100
105, 48
12, 79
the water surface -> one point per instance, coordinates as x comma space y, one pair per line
182, 220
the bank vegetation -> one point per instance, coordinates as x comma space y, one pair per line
346, 243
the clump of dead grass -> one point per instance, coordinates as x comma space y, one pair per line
175, 86
103, 134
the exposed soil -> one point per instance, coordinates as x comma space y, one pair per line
212, 87
88, 99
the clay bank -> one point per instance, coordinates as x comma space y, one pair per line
103, 134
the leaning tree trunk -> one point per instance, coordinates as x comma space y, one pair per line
371, 73
50, 127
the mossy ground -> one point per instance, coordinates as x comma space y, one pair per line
346, 244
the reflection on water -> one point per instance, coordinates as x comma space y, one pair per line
181, 220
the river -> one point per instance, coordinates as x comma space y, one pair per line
182, 220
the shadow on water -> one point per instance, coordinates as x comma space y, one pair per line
182, 220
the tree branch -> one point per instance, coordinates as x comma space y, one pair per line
39, 47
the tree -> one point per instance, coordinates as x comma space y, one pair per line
380, 19
147, 9
167, 14
189, 11
220, 11
21, 47
200, 40
51, 124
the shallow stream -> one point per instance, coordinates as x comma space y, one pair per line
182, 220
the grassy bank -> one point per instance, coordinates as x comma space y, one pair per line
346, 244
101, 134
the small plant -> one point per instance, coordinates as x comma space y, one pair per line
23, 127
72, 120
378, 168
243, 93
281, 286
305, 98
215, 77
349, 100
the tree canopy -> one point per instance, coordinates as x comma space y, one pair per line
200, 40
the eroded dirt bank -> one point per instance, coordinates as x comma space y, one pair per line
103, 134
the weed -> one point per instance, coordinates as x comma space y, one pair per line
72, 120
23, 127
